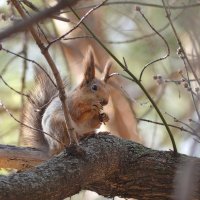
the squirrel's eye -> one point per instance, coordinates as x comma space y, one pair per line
94, 87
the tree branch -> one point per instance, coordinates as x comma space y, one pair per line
20, 157
36, 18
108, 165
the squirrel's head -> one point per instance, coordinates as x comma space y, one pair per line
92, 85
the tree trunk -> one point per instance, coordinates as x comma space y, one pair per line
109, 166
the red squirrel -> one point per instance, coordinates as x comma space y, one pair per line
85, 104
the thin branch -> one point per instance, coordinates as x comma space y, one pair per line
78, 24
147, 35
23, 78
148, 4
45, 105
164, 40
190, 89
32, 61
118, 74
78, 37
178, 121
170, 125
182, 51
177, 82
18, 92
56, 32
36, 9
37, 24
158, 98
5, 68
22, 124
30, 5
125, 64
137, 38
159, 6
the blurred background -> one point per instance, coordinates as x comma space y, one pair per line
172, 81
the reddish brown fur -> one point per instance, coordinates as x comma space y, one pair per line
85, 103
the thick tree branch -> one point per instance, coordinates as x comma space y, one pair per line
108, 165
20, 157
36, 18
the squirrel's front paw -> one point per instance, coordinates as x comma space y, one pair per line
103, 117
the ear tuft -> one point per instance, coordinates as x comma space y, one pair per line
89, 65
106, 71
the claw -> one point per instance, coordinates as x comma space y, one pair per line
98, 107
103, 117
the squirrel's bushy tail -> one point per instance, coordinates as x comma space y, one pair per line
41, 95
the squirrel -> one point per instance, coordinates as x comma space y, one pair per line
44, 121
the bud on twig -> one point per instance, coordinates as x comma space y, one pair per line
137, 8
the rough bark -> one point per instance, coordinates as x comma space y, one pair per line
108, 165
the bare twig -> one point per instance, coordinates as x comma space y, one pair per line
183, 55
22, 124
45, 105
164, 40
29, 60
118, 74
144, 4
125, 64
78, 37
35, 8
38, 26
78, 24
18, 92
23, 78
5, 68
56, 32
135, 39
182, 51
139, 38
157, 100
146, 35
178, 121
154, 5
25, 65
171, 125
190, 89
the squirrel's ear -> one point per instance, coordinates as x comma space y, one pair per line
89, 65
106, 71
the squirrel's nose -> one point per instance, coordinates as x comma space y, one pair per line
104, 102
